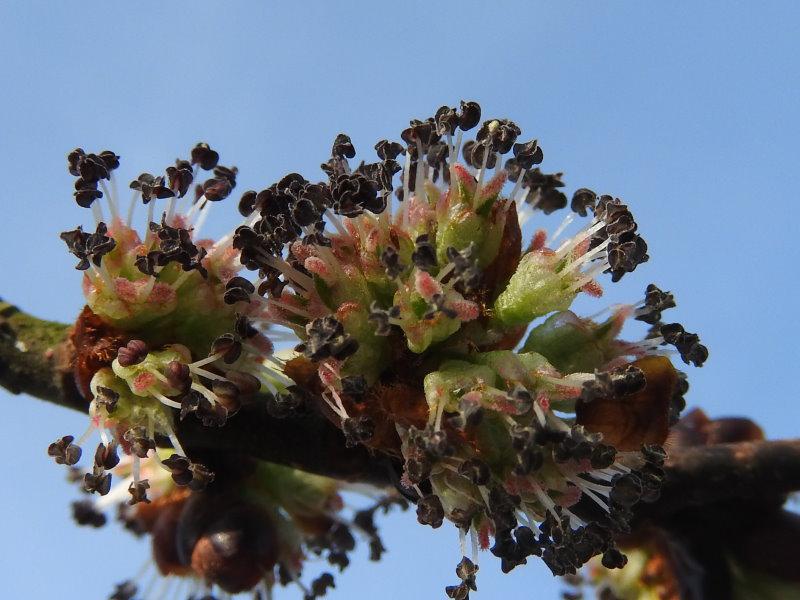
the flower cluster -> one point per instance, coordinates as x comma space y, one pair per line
423, 328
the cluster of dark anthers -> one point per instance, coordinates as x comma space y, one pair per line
90, 169
89, 247
174, 245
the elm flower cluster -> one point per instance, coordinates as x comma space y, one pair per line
424, 327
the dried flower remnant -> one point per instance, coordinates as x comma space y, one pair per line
404, 287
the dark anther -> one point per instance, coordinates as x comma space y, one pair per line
138, 492
201, 476
446, 120
106, 398
475, 470
140, 442
151, 187
358, 429
320, 586
582, 200
626, 490
420, 133
179, 376
614, 559
184, 472
469, 115
124, 591
203, 155
228, 395
326, 338
528, 154
89, 246
286, 404
687, 344
424, 255
381, 318
74, 159
474, 155
243, 328
544, 194
472, 412
246, 383
343, 147
654, 454
217, 188
390, 259
97, 481
437, 445
498, 135
467, 276
179, 467
64, 451
106, 457
247, 203
85, 513
132, 353
418, 469
210, 414
388, 150
180, 177
228, 346
457, 592
522, 399
655, 302
354, 193
430, 511
603, 456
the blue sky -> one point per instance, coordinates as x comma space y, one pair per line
689, 112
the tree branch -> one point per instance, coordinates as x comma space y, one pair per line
762, 472
35, 359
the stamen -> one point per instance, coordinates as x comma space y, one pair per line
211, 396
181, 279
590, 275
481, 174
285, 306
164, 400
102, 273
112, 202
97, 211
289, 271
201, 219
566, 221
131, 207
473, 538
136, 470
114, 196
569, 244
419, 185
591, 254
175, 443
81, 440
518, 184
205, 361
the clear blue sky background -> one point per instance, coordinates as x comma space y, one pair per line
689, 112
